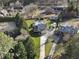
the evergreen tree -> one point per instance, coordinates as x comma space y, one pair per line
72, 50
20, 52
9, 56
69, 51
18, 20
29, 48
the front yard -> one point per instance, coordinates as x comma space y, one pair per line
36, 39
48, 47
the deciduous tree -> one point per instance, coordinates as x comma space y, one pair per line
6, 43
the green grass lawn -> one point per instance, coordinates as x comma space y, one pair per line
49, 44
48, 22
29, 22
36, 40
48, 47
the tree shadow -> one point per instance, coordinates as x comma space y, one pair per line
34, 34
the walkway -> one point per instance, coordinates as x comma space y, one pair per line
43, 39
53, 49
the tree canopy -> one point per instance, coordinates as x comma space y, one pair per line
6, 43
20, 51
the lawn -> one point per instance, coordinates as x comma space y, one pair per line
48, 47
48, 22
29, 22
49, 44
36, 40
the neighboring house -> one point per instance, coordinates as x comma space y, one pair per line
30, 11
64, 33
10, 28
1, 15
7, 26
68, 32
15, 7
4, 12
68, 29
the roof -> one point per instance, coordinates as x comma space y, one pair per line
39, 26
7, 26
4, 12
68, 29
38, 22
16, 5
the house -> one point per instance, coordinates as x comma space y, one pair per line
39, 26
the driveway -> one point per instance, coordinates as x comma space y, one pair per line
43, 39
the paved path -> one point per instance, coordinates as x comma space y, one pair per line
42, 42
53, 48
52, 51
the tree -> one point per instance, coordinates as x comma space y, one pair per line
29, 48
77, 7
69, 51
71, 6
18, 20
20, 51
9, 56
6, 43
72, 50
